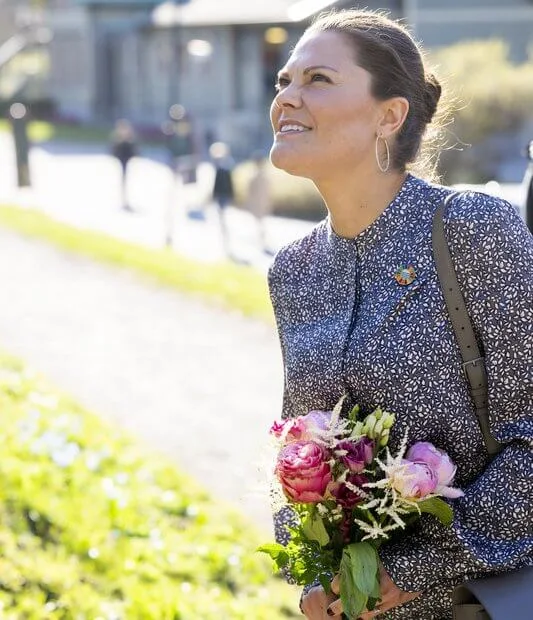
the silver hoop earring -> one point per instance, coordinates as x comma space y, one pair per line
383, 168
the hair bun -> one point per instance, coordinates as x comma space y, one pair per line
432, 95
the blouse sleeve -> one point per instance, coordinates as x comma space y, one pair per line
275, 287
283, 515
493, 523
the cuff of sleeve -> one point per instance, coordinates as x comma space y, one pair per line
306, 589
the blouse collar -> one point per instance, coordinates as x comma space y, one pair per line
386, 223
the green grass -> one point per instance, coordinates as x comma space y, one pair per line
94, 527
230, 286
42, 131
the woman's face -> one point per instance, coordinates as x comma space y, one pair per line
324, 117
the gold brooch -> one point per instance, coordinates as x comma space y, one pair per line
405, 275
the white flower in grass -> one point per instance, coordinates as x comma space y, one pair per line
234, 560
110, 489
93, 460
29, 427
122, 478
65, 455
155, 539
168, 497
48, 442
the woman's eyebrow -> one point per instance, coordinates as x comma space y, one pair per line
314, 67
284, 72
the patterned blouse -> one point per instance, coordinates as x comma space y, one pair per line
347, 325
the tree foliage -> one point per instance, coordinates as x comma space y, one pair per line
490, 99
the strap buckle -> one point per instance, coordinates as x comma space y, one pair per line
475, 363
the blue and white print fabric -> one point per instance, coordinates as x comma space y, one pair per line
347, 325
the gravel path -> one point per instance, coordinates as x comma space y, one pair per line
197, 383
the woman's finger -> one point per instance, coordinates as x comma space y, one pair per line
336, 584
370, 615
335, 609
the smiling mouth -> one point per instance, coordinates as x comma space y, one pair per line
288, 129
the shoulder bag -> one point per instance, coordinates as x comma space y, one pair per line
507, 596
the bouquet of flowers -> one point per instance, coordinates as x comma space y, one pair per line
349, 493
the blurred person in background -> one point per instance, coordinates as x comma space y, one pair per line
259, 197
360, 311
223, 189
124, 148
182, 143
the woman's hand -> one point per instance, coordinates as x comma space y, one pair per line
391, 596
316, 602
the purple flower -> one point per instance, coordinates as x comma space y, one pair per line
355, 455
414, 481
440, 463
348, 494
317, 419
303, 471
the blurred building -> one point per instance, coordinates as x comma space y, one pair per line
24, 38
134, 58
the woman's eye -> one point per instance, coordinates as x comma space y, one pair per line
319, 77
281, 83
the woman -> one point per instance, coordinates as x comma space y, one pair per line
353, 103
259, 197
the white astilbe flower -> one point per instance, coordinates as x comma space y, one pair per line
354, 488
336, 413
322, 510
375, 530
329, 437
338, 428
391, 504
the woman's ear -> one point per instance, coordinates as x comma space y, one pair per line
394, 112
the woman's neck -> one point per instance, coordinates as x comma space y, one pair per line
353, 204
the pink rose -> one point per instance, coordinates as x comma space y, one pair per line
303, 427
348, 494
440, 463
303, 471
355, 455
277, 428
288, 430
414, 480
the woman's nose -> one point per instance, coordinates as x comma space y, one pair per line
290, 96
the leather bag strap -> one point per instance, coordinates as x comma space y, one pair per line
473, 359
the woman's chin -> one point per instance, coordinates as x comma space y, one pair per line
287, 160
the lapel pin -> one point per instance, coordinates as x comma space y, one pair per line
405, 275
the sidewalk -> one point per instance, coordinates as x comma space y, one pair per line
80, 185
196, 383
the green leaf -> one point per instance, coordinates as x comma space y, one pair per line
359, 577
313, 527
325, 582
277, 552
364, 560
438, 508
